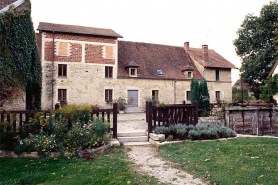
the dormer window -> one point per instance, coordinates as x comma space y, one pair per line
188, 72
132, 69
160, 72
133, 72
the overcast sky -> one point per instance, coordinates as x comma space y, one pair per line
168, 22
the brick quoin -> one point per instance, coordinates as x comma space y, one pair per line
79, 37
75, 54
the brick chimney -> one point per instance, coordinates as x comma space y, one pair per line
186, 46
205, 56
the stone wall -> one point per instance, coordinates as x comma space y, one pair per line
252, 120
16, 104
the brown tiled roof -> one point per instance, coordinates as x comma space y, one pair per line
43, 26
188, 68
273, 69
5, 3
244, 85
215, 60
152, 57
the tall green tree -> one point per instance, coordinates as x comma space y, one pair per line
194, 86
204, 97
255, 45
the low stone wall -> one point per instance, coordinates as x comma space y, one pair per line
252, 120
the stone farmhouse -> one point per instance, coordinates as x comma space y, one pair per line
274, 71
90, 65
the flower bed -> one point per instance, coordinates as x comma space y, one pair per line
67, 131
201, 131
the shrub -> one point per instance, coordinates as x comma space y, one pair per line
199, 131
121, 103
7, 141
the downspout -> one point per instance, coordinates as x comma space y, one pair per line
175, 91
52, 71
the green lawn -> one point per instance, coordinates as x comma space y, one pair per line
235, 161
109, 167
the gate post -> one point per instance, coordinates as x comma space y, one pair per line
115, 111
150, 122
195, 111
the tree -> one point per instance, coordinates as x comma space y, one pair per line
255, 45
273, 89
199, 92
194, 86
204, 97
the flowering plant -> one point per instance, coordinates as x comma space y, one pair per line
41, 143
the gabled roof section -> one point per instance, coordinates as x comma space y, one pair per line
244, 85
272, 70
132, 64
188, 68
152, 57
63, 28
215, 60
5, 5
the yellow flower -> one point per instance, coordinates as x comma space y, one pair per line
43, 150
68, 157
44, 142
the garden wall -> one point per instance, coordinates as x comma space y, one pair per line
252, 120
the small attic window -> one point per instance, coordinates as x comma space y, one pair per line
160, 72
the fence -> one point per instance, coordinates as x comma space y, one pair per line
17, 118
171, 114
252, 120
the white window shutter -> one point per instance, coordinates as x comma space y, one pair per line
213, 95
222, 95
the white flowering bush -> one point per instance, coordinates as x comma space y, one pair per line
42, 143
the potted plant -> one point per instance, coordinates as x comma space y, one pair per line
95, 107
121, 104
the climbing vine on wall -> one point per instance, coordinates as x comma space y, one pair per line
20, 65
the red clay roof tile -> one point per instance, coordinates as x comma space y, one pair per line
215, 60
152, 57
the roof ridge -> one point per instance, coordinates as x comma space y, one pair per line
150, 43
75, 25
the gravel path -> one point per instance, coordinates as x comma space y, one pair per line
148, 161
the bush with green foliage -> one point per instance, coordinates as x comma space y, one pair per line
198, 132
55, 134
237, 95
273, 88
121, 103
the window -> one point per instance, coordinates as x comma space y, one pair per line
62, 70
217, 75
218, 95
187, 95
62, 94
160, 72
133, 72
108, 72
108, 94
189, 75
155, 94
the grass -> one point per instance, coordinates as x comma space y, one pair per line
108, 168
235, 161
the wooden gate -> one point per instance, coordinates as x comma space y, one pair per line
170, 115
